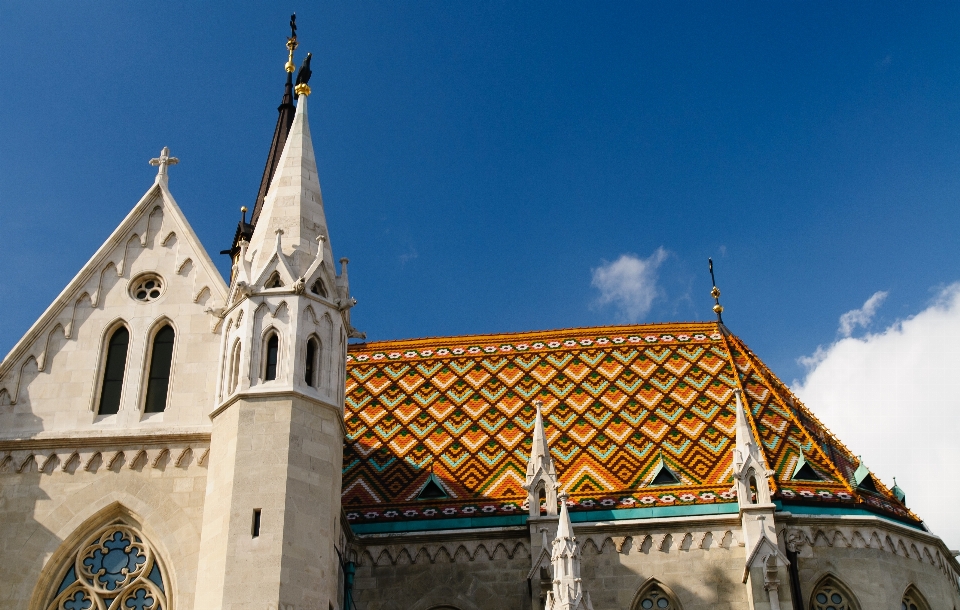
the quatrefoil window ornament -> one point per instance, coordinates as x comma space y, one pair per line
114, 569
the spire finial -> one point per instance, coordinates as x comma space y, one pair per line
715, 293
243, 214
291, 44
162, 162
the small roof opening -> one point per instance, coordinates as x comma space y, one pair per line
864, 479
664, 475
804, 471
432, 490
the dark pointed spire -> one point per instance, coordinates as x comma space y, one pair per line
287, 111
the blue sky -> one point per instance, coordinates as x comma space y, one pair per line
481, 163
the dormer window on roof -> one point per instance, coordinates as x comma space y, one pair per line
663, 475
863, 478
804, 471
432, 489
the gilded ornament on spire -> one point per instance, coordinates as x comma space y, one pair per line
291, 44
715, 293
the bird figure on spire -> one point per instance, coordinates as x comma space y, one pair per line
303, 76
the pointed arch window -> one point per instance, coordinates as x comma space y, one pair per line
654, 596
113, 568
271, 356
161, 360
234, 367
831, 595
312, 363
913, 600
318, 288
114, 367
274, 281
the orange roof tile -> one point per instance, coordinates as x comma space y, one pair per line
615, 400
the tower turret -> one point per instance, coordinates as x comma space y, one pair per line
271, 519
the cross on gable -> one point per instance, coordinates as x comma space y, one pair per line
163, 161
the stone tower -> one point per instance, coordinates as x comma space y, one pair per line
272, 513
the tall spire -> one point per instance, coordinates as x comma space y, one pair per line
280, 133
292, 222
541, 473
567, 592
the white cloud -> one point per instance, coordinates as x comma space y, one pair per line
891, 397
861, 317
630, 283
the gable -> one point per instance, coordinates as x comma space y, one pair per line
49, 378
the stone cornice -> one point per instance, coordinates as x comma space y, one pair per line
816, 526
83, 441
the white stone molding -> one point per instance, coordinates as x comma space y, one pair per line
67, 455
450, 552
880, 535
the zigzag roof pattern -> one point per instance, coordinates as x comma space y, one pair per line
616, 402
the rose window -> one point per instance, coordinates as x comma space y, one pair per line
115, 569
148, 288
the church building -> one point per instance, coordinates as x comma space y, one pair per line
171, 439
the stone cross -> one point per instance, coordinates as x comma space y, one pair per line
163, 161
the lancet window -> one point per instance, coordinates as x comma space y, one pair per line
234, 375
161, 359
114, 367
319, 289
115, 568
312, 363
271, 356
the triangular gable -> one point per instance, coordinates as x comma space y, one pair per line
759, 555
114, 257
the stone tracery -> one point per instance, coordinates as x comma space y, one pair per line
114, 568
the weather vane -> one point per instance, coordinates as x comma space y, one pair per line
291, 44
715, 293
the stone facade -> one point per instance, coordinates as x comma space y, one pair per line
234, 484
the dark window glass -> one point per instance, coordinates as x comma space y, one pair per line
319, 288
273, 349
160, 362
113, 372
311, 362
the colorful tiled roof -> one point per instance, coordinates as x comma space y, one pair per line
616, 400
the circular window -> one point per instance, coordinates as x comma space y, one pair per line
147, 288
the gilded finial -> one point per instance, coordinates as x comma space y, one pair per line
243, 214
291, 44
715, 293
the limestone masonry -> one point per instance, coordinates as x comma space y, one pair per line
171, 440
